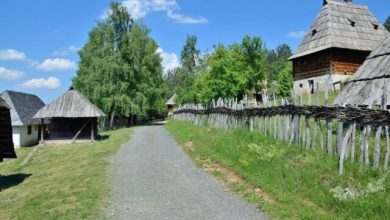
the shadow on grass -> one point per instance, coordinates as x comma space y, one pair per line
12, 180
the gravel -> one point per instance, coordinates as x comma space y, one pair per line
152, 178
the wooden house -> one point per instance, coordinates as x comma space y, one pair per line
25, 129
72, 118
336, 45
6, 143
370, 86
171, 104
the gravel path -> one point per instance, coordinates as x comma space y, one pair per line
153, 178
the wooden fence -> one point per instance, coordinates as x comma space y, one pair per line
352, 133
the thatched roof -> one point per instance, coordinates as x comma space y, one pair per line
366, 86
342, 25
171, 101
72, 104
23, 107
3, 104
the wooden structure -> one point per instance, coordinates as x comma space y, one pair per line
23, 106
6, 143
72, 118
171, 104
370, 85
336, 45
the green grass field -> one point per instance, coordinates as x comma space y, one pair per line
59, 182
302, 184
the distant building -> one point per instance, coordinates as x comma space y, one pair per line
336, 45
6, 143
25, 129
171, 104
371, 82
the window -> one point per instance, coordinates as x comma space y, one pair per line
300, 85
311, 86
314, 32
376, 26
29, 129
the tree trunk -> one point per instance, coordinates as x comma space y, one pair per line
112, 118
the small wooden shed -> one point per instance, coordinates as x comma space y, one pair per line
6, 143
370, 85
336, 45
72, 118
171, 104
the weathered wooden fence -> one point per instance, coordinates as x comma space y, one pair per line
351, 133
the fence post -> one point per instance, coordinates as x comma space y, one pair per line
377, 149
386, 164
366, 145
343, 149
339, 136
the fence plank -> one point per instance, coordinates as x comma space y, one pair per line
386, 163
377, 149
343, 149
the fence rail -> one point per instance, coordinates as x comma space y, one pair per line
359, 133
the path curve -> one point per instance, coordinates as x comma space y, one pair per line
152, 178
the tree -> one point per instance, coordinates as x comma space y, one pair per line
189, 53
387, 24
120, 70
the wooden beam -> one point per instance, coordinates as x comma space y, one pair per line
81, 129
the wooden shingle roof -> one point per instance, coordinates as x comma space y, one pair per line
171, 101
366, 86
72, 104
3, 104
23, 107
342, 25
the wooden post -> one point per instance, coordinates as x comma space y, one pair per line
92, 130
42, 130
386, 164
366, 146
339, 140
362, 143
79, 131
353, 140
329, 136
343, 148
377, 149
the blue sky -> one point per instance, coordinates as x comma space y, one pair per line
39, 39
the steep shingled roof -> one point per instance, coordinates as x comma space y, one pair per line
72, 104
23, 107
3, 104
366, 86
171, 101
342, 25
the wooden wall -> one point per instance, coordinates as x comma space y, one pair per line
337, 61
6, 143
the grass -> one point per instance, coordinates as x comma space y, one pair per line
302, 184
59, 182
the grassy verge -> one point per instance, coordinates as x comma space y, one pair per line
58, 182
288, 182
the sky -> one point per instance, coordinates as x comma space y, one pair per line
39, 39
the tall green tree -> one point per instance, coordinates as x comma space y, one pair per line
189, 53
387, 24
120, 70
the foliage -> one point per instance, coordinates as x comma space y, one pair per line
234, 71
387, 24
59, 182
120, 70
302, 183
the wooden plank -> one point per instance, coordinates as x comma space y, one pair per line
362, 143
81, 129
377, 149
386, 163
339, 140
353, 140
366, 146
329, 137
343, 149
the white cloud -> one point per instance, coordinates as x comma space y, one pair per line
11, 54
10, 74
170, 60
66, 51
140, 8
296, 34
42, 83
56, 64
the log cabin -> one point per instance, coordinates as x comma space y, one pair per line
6, 143
336, 45
369, 87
